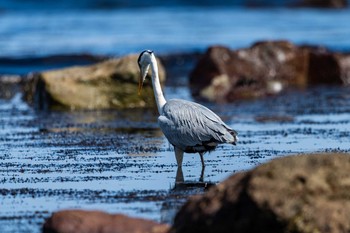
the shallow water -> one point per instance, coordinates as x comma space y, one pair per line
122, 31
120, 162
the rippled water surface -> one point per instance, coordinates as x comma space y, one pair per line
28, 33
119, 161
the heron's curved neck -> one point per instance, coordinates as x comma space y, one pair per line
158, 93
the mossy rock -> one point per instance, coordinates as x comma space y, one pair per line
111, 84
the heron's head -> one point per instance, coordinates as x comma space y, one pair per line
144, 62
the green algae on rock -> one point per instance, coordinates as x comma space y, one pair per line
110, 84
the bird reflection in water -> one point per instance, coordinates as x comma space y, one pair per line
180, 177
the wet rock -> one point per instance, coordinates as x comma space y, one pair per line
308, 193
266, 68
344, 62
298, 3
9, 85
324, 67
106, 85
323, 3
79, 221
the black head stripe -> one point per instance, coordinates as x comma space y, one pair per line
145, 51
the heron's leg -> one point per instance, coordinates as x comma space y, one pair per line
202, 160
179, 175
179, 154
201, 178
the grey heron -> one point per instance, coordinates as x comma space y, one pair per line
188, 126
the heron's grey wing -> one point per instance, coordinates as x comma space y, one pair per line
186, 123
214, 118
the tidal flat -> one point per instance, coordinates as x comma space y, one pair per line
120, 162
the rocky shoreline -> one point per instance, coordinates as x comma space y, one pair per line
306, 193
300, 193
266, 68
218, 75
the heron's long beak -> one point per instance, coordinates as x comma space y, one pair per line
143, 75
140, 84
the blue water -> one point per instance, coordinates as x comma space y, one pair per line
116, 4
25, 33
64, 159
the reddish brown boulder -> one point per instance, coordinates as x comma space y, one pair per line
298, 3
309, 193
323, 67
344, 62
79, 221
323, 3
266, 68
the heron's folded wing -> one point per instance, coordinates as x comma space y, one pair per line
186, 123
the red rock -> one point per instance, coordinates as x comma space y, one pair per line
323, 3
79, 221
344, 62
308, 193
324, 68
266, 68
297, 3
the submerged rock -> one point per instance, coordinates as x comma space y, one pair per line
298, 3
266, 68
308, 193
79, 221
109, 84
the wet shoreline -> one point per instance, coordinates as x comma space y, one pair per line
119, 161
